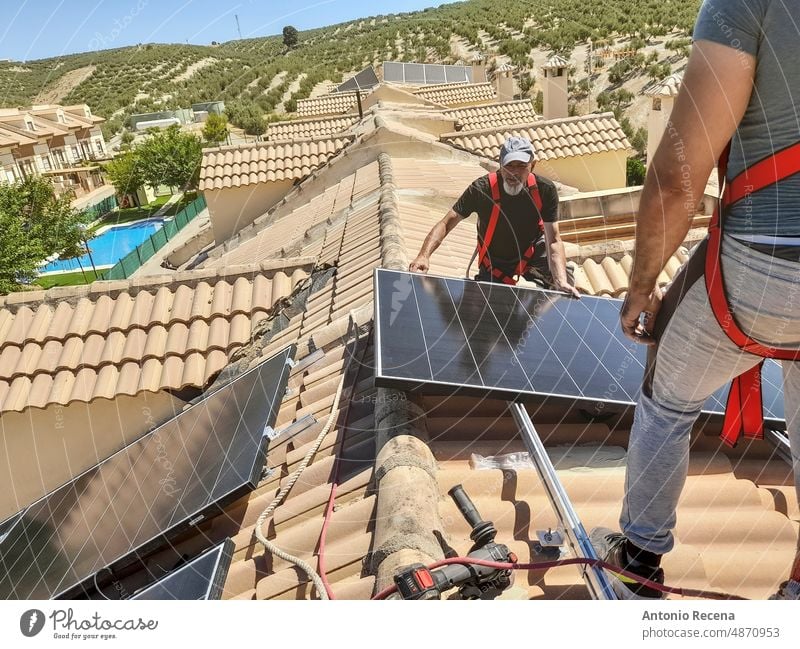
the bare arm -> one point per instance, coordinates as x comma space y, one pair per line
433, 241
557, 258
713, 98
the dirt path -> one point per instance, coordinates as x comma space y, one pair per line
54, 92
293, 88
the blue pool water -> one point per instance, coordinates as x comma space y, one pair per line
111, 246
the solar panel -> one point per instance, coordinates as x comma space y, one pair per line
127, 506
425, 73
364, 80
445, 336
455, 73
435, 74
393, 71
414, 73
200, 578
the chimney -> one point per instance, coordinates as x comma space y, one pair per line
663, 98
504, 82
478, 68
555, 88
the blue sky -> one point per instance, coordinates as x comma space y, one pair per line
35, 29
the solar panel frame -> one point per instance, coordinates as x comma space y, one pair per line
73, 578
429, 353
364, 80
211, 567
429, 74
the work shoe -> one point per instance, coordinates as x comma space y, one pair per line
610, 547
788, 590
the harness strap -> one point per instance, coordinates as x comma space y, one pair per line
744, 409
483, 247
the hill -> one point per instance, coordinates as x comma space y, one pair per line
119, 82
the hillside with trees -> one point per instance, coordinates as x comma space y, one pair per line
612, 45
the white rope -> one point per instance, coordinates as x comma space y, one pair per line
268, 545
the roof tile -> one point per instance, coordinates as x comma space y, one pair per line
551, 138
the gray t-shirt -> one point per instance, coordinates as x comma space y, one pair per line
769, 30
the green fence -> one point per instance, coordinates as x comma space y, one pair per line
103, 207
131, 262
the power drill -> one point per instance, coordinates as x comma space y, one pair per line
472, 581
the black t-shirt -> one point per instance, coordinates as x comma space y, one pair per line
518, 223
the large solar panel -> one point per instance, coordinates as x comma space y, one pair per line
364, 80
425, 73
200, 578
447, 336
171, 479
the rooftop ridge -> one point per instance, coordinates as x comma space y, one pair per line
538, 124
133, 286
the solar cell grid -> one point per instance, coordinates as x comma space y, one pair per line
170, 479
447, 335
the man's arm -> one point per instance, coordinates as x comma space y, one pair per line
713, 98
557, 258
434, 239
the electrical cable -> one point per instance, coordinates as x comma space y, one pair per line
594, 563
337, 465
268, 545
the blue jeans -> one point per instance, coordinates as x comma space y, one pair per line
694, 359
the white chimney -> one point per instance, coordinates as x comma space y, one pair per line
663, 99
478, 68
504, 82
555, 88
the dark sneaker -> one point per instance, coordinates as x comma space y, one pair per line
788, 590
610, 547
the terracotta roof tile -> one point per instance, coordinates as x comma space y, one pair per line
249, 164
137, 331
458, 94
335, 103
550, 138
307, 128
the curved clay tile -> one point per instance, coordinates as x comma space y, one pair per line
112, 350
142, 307
217, 334
20, 327
197, 340
17, 397
41, 387
177, 338
156, 342
134, 345
106, 384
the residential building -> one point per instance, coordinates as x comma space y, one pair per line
62, 143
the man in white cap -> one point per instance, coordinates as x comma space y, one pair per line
517, 224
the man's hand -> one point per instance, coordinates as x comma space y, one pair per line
420, 265
567, 288
638, 315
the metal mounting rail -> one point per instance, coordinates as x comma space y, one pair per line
780, 440
596, 580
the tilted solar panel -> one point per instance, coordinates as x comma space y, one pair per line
200, 578
171, 479
446, 335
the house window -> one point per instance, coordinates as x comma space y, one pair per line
46, 163
61, 118
656, 103
30, 125
76, 154
99, 146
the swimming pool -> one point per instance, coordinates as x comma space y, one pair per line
109, 247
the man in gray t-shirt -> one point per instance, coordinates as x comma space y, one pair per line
741, 86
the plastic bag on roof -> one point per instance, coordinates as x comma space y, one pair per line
507, 461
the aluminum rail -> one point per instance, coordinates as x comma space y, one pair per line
780, 440
596, 579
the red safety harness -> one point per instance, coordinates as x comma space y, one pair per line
483, 258
744, 412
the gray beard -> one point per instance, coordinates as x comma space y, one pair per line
512, 190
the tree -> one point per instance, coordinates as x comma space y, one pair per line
171, 158
635, 172
246, 115
34, 224
126, 173
289, 37
215, 129
639, 140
